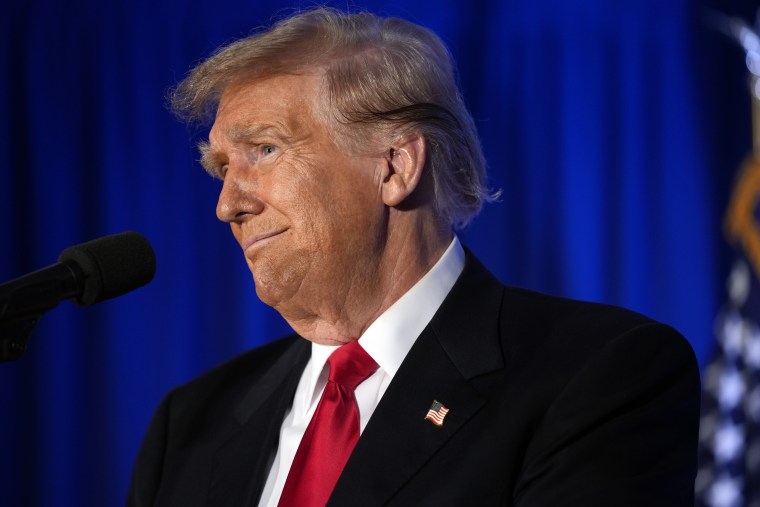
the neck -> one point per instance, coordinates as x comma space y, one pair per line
407, 252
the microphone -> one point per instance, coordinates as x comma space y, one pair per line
88, 273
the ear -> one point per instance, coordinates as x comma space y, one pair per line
405, 162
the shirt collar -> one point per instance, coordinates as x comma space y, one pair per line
390, 337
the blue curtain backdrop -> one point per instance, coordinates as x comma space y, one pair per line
613, 129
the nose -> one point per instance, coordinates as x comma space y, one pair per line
238, 198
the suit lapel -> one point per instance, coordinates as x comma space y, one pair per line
242, 462
460, 343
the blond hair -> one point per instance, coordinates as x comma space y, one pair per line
380, 73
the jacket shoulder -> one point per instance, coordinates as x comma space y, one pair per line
552, 315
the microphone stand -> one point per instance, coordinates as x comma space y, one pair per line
25, 300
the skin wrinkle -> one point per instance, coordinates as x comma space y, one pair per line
339, 250
397, 268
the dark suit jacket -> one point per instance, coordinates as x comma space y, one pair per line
552, 402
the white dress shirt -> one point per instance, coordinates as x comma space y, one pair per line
387, 340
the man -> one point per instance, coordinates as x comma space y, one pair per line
347, 159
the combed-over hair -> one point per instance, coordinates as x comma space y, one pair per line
381, 73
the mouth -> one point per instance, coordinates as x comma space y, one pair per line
257, 239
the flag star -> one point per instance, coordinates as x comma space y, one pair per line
731, 389
725, 492
752, 352
739, 283
729, 440
733, 334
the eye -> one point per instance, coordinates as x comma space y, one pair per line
268, 149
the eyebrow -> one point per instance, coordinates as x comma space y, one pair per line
244, 133
211, 158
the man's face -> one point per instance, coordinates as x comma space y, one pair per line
308, 215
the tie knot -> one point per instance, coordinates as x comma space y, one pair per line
350, 365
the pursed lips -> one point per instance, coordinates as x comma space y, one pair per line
252, 240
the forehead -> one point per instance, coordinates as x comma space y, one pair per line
285, 103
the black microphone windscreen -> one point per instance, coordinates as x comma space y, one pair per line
112, 265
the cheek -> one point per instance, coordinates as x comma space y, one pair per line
303, 194
357, 201
327, 201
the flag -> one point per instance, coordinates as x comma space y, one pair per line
436, 413
729, 440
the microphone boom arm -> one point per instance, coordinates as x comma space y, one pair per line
89, 273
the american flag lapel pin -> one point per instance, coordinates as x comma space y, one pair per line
436, 413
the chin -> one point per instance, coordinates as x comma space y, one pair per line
270, 292
266, 300
279, 280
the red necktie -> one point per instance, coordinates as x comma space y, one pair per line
332, 432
